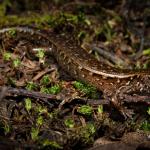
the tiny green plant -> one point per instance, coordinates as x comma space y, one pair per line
7, 56
55, 89
53, 114
100, 109
47, 18
87, 89
52, 90
40, 54
34, 133
70, 18
107, 30
146, 51
52, 144
45, 80
41, 110
86, 110
16, 63
88, 131
69, 122
12, 32
39, 120
146, 65
45, 90
81, 35
31, 86
145, 126
91, 128
83, 19
28, 104
6, 128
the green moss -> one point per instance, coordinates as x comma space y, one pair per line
16, 63
108, 32
7, 129
45, 90
145, 126
28, 104
52, 144
69, 122
81, 35
34, 134
87, 132
55, 89
37, 19
39, 121
40, 53
146, 51
100, 109
45, 20
11, 33
31, 86
86, 110
90, 91
7, 56
52, 90
41, 110
45, 80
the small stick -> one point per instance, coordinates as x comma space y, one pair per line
23, 92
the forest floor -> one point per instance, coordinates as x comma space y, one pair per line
42, 107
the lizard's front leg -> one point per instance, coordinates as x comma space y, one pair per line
132, 91
118, 98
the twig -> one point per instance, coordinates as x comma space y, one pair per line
23, 92
137, 98
97, 102
6, 143
112, 57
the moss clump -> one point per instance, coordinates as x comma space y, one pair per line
88, 90
86, 110
52, 90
